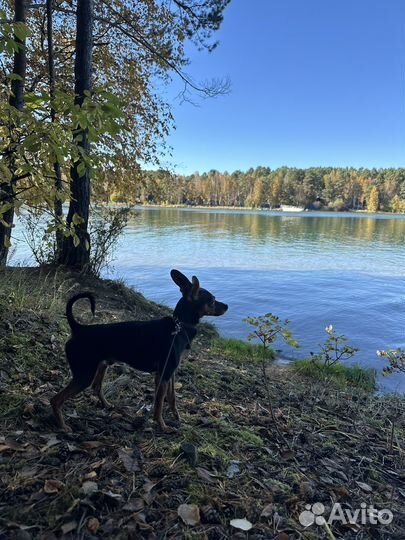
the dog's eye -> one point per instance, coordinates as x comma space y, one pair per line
212, 301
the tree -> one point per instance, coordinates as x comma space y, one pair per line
76, 249
256, 198
373, 200
312, 186
136, 44
398, 204
57, 168
276, 188
16, 101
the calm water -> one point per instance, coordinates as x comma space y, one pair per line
312, 268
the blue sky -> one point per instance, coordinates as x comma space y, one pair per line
314, 82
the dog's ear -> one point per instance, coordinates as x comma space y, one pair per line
181, 281
195, 288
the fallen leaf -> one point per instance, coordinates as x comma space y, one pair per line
205, 475
53, 486
135, 505
130, 459
68, 527
267, 510
91, 445
189, 513
364, 486
89, 487
98, 464
233, 468
112, 495
52, 441
242, 524
93, 525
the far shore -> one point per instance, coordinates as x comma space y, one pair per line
251, 209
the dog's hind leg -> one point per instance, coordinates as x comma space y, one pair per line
98, 384
71, 390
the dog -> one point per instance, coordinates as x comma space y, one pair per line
151, 346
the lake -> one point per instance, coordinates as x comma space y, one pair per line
313, 268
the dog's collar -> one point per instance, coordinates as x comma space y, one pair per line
180, 325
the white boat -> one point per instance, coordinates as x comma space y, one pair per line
289, 208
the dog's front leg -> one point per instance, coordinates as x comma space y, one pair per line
171, 398
161, 388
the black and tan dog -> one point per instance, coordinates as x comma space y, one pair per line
150, 346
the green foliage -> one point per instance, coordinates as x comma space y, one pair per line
268, 327
38, 144
8, 32
338, 373
238, 350
396, 361
334, 350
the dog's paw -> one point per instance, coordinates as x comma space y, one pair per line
176, 415
64, 428
164, 428
169, 430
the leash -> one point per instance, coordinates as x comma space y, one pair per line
176, 332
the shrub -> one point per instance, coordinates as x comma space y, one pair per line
396, 360
267, 328
334, 349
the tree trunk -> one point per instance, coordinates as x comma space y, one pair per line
58, 173
79, 256
16, 100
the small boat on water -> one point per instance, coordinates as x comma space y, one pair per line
289, 208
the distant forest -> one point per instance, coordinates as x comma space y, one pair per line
313, 188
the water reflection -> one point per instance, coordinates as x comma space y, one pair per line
259, 226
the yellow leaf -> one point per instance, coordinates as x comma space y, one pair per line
76, 219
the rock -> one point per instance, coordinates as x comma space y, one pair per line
190, 453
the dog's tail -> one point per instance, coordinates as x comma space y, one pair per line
74, 325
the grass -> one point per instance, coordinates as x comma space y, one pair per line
241, 351
364, 378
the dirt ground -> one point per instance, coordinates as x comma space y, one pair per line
245, 450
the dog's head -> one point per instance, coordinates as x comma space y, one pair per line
196, 300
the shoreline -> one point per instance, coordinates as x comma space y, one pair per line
249, 209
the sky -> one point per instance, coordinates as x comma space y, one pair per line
314, 83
